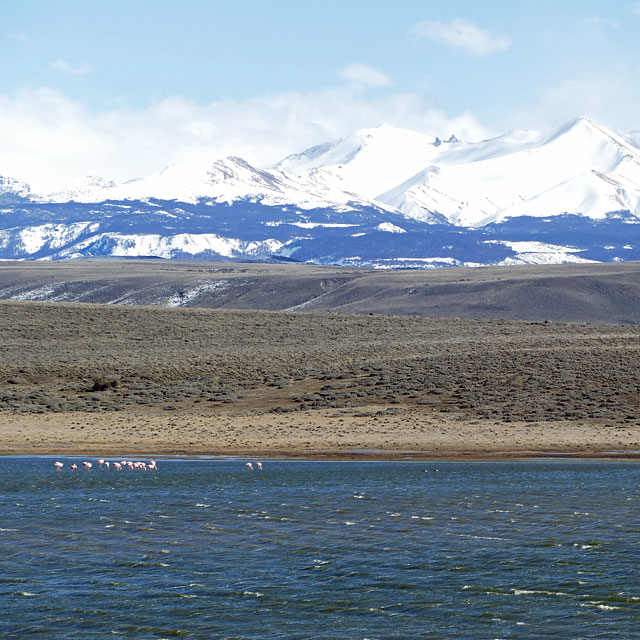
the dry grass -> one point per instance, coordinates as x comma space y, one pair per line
224, 369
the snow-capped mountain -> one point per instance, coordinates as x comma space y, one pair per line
369, 162
579, 168
384, 197
224, 180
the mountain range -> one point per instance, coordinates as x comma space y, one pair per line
382, 197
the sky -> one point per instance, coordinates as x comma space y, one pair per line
123, 88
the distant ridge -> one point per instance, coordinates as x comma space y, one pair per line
603, 293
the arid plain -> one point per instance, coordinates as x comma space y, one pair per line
111, 380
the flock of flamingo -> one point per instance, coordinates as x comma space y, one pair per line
133, 466
118, 466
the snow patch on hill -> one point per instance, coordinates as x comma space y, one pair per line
540, 253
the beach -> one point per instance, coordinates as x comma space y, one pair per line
318, 434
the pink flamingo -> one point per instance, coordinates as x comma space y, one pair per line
117, 466
87, 465
249, 466
259, 465
152, 466
100, 462
106, 464
73, 467
58, 465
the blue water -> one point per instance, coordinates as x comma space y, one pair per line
378, 550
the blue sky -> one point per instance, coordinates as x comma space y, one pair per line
123, 88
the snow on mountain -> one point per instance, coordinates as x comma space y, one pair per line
87, 238
12, 187
368, 162
142, 245
225, 180
67, 188
580, 168
540, 253
361, 200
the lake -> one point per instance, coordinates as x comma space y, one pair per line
320, 549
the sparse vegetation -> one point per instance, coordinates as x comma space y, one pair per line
230, 362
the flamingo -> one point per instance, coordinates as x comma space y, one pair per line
100, 462
249, 466
259, 465
58, 465
106, 464
117, 466
73, 467
152, 466
87, 465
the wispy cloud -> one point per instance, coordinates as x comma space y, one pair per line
43, 131
16, 36
361, 75
72, 69
462, 35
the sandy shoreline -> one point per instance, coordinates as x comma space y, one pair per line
313, 434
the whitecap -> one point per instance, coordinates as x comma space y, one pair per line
541, 592
600, 605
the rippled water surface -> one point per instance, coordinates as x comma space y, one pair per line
378, 550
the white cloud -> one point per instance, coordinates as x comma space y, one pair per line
361, 75
72, 69
462, 35
44, 132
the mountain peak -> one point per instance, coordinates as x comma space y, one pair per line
584, 134
583, 123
